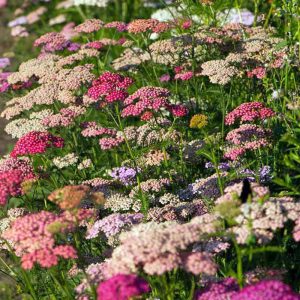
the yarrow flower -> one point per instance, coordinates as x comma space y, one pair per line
10, 185
36, 142
114, 224
89, 26
33, 237
151, 99
122, 287
120, 26
52, 41
246, 137
144, 25
110, 87
198, 121
184, 76
267, 289
229, 289
124, 174
258, 72
249, 111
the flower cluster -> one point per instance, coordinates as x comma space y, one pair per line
36, 142
149, 99
248, 112
122, 287
34, 240
110, 87
246, 137
159, 248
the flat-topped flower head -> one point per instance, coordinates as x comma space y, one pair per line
36, 142
89, 26
249, 112
122, 287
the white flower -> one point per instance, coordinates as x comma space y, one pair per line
65, 161
99, 3
84, 164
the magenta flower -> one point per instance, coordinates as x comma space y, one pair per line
122, 287
36, 142
267, 289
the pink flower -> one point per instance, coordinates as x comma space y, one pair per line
146, 116
3, 3
122, 287
110, 142
94, 45
110, 87
187, 24
178, 110
165, 78
249, 111
178, 69
184, 76
259, 72
10, 185
120, 26
36, 142
33, 236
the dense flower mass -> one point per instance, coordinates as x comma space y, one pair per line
122, 287
110, 87
36, 143
248, 112
156, 152
149, 99
33, 241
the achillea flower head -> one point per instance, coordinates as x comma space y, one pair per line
258, 72
222, 290
110, 142
65, 161
125, 174
33, 236
110, 87
122, 287
4, 62
10, 185
266, 289
151, 98
144, 25
93, 45
36, 142
159, 248
64, 118
184, 76
52, 41
91, 129
20, 164
120, 26
114, 224
198, 121
246, 137
165, 78
181, 211
249, 112
89, 26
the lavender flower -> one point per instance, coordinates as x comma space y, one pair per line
124, 174
113, 224
265, 174
4, 62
